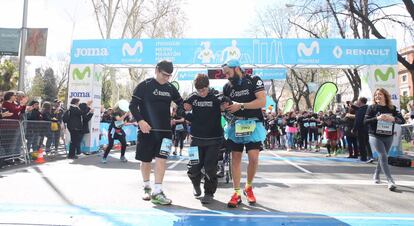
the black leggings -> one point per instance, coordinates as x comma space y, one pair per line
179, 137
121, 139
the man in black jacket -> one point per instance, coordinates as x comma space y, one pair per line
362, 131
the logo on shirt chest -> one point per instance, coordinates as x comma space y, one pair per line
244, 92
161, 93
197, 103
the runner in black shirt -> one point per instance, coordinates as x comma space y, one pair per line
381, 118
248, 97
115, 131
150, 106
206, 137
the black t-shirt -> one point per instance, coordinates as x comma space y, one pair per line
331, 123
313, 124
154, 100
291, 122
375, 110
245, 93
179, 126
303, 123
206, 116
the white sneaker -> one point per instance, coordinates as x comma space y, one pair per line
391, 186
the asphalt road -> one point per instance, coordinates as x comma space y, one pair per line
292, 188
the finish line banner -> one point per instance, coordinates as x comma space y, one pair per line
248, 51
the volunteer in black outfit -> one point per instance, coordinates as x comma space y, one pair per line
150, 106
206, 137
380, 119
115, 132
248, 96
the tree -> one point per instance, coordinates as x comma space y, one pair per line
50, 89
137, 19
106, 89
9, 76
37, 88
397, 19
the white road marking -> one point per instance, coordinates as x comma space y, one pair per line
291, 163
176, 163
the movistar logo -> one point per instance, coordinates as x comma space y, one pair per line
78, 75
308, 51
98, 76
384, 77
131, 51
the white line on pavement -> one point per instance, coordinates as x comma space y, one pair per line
175, 164
291, 163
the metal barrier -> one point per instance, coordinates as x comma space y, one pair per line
407, 132
12, 141
44, 134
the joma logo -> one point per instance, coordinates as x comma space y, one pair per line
131, 51
302, 49
91, 52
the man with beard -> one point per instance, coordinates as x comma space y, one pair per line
248, 97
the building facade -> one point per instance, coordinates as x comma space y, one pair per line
405, 77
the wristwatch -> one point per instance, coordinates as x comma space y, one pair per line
242, 106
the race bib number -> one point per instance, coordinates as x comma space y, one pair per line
193, 155
166, 146
306, 124
312, 124
245, 127
179, 127
384, 128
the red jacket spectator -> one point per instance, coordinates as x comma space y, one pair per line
10, 105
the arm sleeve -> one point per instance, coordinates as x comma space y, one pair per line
258, 84
399, 119
370, 116
179, 101
189, 117
137, 99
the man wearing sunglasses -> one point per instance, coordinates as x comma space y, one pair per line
150, 106
247, 132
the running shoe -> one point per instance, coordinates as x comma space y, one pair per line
234, 201
104, 161
391, 186
370, 160
196, 191
207, 199
248, 192
160, 199
147, 194
123, 159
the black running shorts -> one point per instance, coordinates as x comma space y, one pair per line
149, 145
240, 147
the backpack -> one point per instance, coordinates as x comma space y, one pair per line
66, 116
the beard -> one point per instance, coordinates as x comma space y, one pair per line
234, 80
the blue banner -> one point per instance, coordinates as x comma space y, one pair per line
214, 52
189, 75
269, 74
